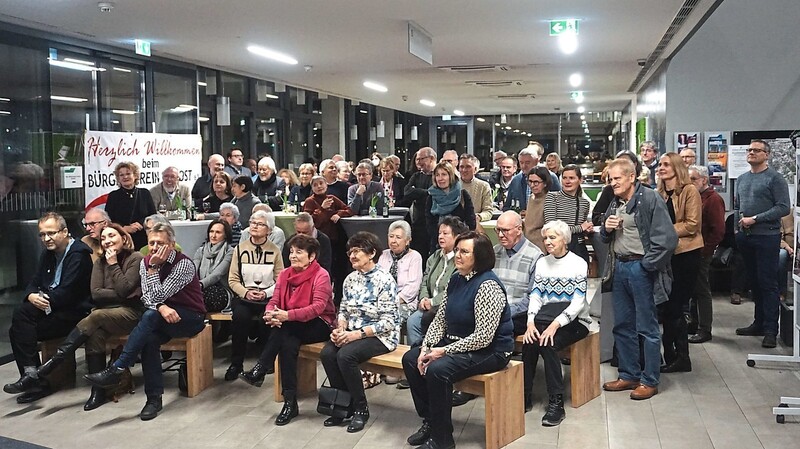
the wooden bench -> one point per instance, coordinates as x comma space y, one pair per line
199, 358
219, 316
504, 414
584, 368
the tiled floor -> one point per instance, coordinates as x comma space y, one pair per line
722, 404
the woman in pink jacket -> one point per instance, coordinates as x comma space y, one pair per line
301, 311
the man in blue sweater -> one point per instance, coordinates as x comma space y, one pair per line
762, 198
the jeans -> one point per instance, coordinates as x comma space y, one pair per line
760, 254
417, 325
634, 316
286, 341
147, 338
241, 322
432, 392
563, 337
702, 304
30, 324
341, 365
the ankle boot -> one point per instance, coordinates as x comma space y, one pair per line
668, 342
555, 411
73, 341
256, 375
528, 402
360, 417
289, 411
682, 362
94, 364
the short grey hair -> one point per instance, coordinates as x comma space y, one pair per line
649, 144
528, 152
341, 165
700, 169
155, 219
428, 152
98, 210
232, 207
559, 227
172, 168
262, 206
324, 164
268, 161
304, 217
367, 165
401, 224
266, 216
163, 227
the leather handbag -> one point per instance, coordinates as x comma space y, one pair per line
333, 402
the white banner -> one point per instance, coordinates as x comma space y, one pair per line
151, 152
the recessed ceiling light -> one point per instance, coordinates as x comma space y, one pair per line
6, 100
375, 86
458, 112
203, 119
80, 61
581, 109
68, 99
568, 43
116, 122
5, 113
76, 66
579, 99
575, 79
496, 124
583, 117
274, 97
508, 128
123, 70
123, 112
427, 103
362, 111
530, 135
480, 119
271, 54
202, 83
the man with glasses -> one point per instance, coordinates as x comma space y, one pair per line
415, 196
713, 230
170, 192
501, 180
451, 157
761, 199
202, 187
55, 300
649, 154
518, 190
94, 222
478, 189
689, 157
235, 166
360, 195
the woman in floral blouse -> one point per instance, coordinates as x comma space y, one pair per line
368, 325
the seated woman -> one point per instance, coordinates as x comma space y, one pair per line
276, 234
367, 326
405, 266
471, 334
447, 198
213, 261
301, 311
220, 193
116, 292
558, 316
255, 264
302, 190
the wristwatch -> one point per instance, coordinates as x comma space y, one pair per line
363, 333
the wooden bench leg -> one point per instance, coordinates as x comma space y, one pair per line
306, 378
505, 411
199, 362
64, 375
585, 369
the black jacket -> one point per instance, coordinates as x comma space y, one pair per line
72, 296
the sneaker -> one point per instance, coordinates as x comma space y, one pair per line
555, 411
421, 435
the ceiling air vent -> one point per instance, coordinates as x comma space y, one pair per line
475, 68
495, 83
516, 97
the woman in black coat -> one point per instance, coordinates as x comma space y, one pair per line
130, 205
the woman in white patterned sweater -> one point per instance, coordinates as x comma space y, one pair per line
558, 315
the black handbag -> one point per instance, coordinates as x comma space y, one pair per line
577, 244
333, 402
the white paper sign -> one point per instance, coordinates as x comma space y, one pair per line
151, 152
737, 160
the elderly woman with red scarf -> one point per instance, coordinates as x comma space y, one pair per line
301, 311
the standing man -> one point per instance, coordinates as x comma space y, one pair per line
304, 225
415, 195
478, 189
451, 157
638, 226
649, 154
175, 309
235, 166
170, 192
501, 180
713, 231
519, 191
202, 187
360, 194
762, 198
689, 157
95, 220
55, 300
515, 261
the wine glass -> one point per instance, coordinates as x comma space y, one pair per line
258, 278
162, 209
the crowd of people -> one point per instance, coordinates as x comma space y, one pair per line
461, 300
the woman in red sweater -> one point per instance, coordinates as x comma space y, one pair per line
301, 311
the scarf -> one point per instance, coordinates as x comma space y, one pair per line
395, 261
444, 203
212, 257
296, 287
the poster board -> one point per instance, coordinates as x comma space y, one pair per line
152, 152
717, 159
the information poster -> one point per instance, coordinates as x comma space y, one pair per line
151, 152
738, 160
717, 159
687, 139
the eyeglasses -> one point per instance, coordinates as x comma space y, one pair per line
256, 224
507, 167
504, 230
49, 234
237, 155
694, 178
352, 251
463, 252
756, 150
91, 224
534, 183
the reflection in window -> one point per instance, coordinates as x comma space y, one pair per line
175, 104
236, 88
267, 130
236, 135
71, 91
121, 98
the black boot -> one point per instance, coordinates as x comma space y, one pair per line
289, 411
73, 341
555, 411
95, 363
106, 378
22, 385
360, 417
256, 375
682, 363
151, 408
528, 402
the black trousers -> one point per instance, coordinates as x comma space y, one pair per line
341, 365
432, 392
553, 375
285, 341
29, 325
241, 322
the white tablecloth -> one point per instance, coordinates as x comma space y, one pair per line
190, 234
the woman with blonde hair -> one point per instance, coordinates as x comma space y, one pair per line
130, 205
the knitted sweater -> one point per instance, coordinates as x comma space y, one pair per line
516, 273
765, 195
559, 291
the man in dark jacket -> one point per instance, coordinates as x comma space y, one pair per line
55, 300
304, 224
643, 239
416, 195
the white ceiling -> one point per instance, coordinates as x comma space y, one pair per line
349, 41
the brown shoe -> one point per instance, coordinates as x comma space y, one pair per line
620, 385
736, 298
643, 392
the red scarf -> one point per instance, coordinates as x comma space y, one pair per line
296, 287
